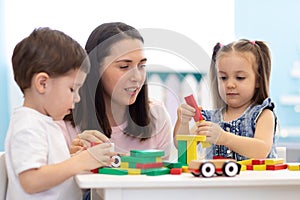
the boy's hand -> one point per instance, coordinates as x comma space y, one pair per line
84, 140
102, 153
212, 131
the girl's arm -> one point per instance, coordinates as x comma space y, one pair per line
48, 176
257, 147
184, 115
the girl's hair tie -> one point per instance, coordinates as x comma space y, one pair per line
253, 42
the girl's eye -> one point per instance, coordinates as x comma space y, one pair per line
71, 89
222, 78
240, 78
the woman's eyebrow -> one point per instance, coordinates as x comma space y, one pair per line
128, 60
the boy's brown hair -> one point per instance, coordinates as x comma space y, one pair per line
49, 51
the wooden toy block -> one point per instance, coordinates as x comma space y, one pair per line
258, 161
124, 165
245, 162
149, 165
147, 153
171, 165
158, 171
112, 171
190, 100
243, 167
259, 167
249, 167
176, 171
185, 169
196, 138
191, 151
133, 171
182, 153
276, 167
132, 159
293, 166
274, 161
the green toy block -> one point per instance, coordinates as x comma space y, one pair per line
171, 165
132, 159
157, 172
113, 171
182, 153
147, 153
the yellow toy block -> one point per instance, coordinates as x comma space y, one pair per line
124, 165
159, 159
259, 167
274, 161
293, 166
133, 171
191, 151
197, 138
243, 167
245, 162
185, 169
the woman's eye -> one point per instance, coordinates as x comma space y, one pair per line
123, 67
142, 66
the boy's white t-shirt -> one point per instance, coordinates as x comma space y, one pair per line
34, 140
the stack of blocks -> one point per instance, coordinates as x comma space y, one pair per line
187, 147
263, 164
148, 162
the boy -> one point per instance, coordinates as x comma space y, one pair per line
49, 67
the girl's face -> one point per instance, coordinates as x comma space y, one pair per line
236, 79
124, 73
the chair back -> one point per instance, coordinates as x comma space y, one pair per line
3, 176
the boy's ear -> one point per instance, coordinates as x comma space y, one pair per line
41, 81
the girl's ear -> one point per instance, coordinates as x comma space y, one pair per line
41, 81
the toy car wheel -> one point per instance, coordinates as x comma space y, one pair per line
196, 174
230, 169
117, 161
207, 169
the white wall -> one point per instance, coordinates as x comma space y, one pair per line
204, 22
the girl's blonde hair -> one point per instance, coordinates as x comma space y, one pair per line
260, 56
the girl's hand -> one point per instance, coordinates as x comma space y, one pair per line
185, 113
212, 131
84, 140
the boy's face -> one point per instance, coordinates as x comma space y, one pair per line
62, 94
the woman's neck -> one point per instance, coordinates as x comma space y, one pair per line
115, 113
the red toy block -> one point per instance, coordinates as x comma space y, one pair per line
149, 165
249, 167
276, 167
258, 162
176, 171
190, 100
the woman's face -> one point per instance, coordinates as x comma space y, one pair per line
124, 72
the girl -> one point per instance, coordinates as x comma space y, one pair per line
115, 95
243, 124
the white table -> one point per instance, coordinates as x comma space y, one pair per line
265, 185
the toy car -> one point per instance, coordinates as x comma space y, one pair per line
208, 168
